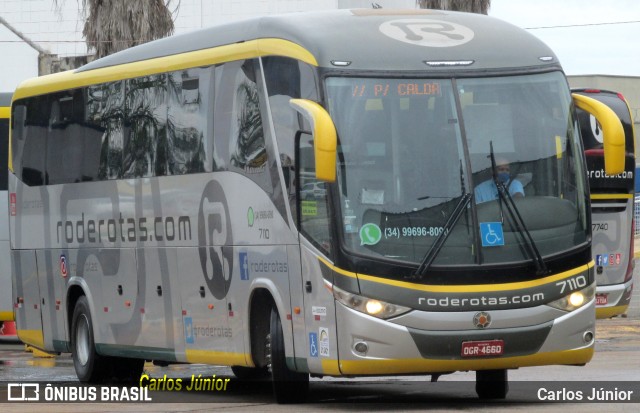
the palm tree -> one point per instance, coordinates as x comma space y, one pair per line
473, 6
114, 25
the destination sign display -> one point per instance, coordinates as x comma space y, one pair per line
408, 88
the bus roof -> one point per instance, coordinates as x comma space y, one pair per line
354, 40
355, 36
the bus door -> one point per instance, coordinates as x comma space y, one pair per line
320, 344
27, 297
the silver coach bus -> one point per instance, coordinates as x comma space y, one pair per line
157, 210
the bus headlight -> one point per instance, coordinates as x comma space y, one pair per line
575, 300
370, 306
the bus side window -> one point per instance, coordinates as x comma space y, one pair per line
36, 115
187, 147
313, 206
145, 124
105, 117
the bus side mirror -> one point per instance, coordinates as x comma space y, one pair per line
612, 131
324, 137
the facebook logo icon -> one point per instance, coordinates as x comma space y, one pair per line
244, 266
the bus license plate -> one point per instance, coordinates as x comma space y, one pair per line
486, 348
602, 299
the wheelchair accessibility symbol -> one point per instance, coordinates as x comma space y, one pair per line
491, 233
313, 344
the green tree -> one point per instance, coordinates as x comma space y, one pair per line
473, 6
114, 25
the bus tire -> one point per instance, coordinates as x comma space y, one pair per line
250, 373
89, 365
492, 384
288, 386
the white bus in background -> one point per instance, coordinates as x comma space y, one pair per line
6, 303
612, 207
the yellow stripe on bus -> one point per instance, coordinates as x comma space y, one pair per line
420, 365
611, 196
217, 357
5, 112
33, 337
462, 288
237, 51
6, 316
608, 312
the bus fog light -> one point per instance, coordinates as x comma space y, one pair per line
361, 347
370, 306
575, 299
374, 307
588, 336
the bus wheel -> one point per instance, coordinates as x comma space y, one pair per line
288, 386
90, 366
492, 384
250, 373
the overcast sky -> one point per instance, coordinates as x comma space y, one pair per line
588, 47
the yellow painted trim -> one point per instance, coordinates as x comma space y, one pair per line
611, 196
614, 136
559, 147
407, 366
33, 337
6, 316
221, 358
324, 136
462, 288
237, 51
331, 367
608, 312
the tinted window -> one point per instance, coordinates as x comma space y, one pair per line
188, 146
145, 125
239, 130
105, 115
30, 123
288, 79
73, 151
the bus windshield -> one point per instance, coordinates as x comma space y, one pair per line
412, 151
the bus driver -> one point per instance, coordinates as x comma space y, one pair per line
487, 191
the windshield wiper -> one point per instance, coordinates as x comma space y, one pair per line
512, 209
431, 255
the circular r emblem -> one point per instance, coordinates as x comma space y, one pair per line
427, 32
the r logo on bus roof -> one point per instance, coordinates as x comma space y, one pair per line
427, 33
